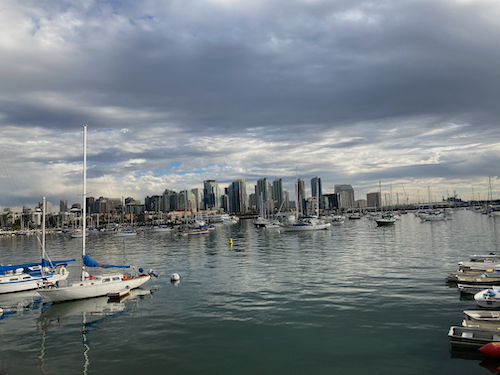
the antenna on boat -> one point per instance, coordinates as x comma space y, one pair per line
84, 205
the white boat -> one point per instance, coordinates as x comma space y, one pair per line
337, 220
28, 276
482, 315
385, 219
262, 222
161, 229
92, 285
471, 337
433, 216
125, 233
306, 224
488, 298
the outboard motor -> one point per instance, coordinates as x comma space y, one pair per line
151, 273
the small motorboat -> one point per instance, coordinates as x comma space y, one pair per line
488, 298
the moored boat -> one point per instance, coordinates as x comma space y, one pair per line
29, 276
471, 337
488, 298
385, 219
92, 285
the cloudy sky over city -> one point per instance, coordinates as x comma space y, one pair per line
397, 94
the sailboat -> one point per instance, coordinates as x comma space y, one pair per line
306, 223
29, 276
93, 285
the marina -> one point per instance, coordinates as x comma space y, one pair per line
350, 299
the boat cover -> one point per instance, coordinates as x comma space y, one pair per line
44, 263
89, 262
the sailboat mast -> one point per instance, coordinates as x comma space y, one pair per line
84, 205
43, 230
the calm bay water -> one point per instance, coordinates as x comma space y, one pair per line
353, 299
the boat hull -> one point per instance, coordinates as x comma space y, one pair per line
27, 282
471, 337
306, 227
90, 288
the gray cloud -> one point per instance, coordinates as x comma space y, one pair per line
352, 91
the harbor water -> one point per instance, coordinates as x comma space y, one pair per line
353, 299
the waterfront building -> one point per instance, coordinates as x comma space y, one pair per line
63, 205
165, 200
346, 193
198, 198
238, 196
90, 204
48, 207
360, 203
252, 203
153, 203
373, 200
301, 195
331, 201
211, 194
132, 206
316, 190
278, 194
224, 199
263, 195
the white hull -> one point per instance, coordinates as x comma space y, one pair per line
488, 298
21, 282
305, 227
381, 222
92, 288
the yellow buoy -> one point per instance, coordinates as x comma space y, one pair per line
231, 242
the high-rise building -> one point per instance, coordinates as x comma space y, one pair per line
346, 193
63, 205
211, 194
301, 191
153, 203
332, 201
316, 190
238, 196
262, 195
198, 196
278, 194
165, 200
373, 199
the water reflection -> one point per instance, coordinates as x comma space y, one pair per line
90, 312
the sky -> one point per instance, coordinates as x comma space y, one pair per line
397, 95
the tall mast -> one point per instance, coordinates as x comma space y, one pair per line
43, 230
84, 205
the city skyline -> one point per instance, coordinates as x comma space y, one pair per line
354, 92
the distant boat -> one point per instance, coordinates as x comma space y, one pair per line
337, 220
385, 219
309, 223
